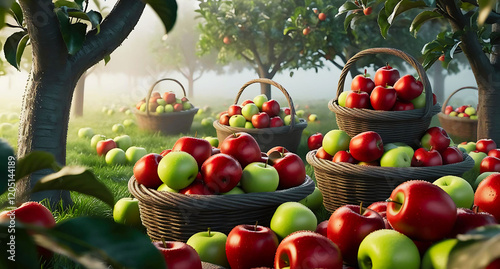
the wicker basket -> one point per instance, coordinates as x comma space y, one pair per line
166, 123
460, 129
393, 126
345, 183
177, 216
287, 136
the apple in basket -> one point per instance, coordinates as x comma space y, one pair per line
243, 147
199, 148
290, 167
178, 255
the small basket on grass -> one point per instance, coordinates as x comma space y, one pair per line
393, 126
171, 123
461, 129
286, 136
345, 183
176, 216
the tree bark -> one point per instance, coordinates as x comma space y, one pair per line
79, 96
264, 87
438, 83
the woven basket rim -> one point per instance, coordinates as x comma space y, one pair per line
272, 130
384, 172
443, 116
217, 202
192, 110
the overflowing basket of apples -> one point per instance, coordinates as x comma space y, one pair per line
165, 113
399, 108
461, 121
269, 123
195, 186
351, 170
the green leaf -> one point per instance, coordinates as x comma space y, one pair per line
73, 34
93, 240
288, 29
17, 13
21, 47
107, 58
26, 256
431, 46
35, 161
93, 17
347, 21
347, 6
166, 10
383, 24
430, 59
484, 242
452, 50
430, 3
403, 6
3, 13
485, 7
421, 18
75, 178
10, 48
67, 3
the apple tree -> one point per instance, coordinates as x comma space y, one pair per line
66, 38
473, 29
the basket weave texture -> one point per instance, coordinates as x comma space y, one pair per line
393, 126
177, 216
286, 136
345, 183
461, 129
166, 123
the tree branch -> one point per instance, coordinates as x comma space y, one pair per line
114, 29
200, 75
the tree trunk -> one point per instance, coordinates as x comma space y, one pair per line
438, 82
78, 96
264, 87
190, 86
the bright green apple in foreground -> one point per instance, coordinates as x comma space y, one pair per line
178, 169
211, 247
126, 211
458, 188
291, 217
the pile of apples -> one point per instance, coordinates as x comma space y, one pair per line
367, 148
166, 104
257, 113
194, 166
387, 91
465, 111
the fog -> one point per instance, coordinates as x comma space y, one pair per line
132, 70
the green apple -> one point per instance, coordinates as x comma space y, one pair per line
458, 188
235, 190
161, 102
388, 249
123, 141
259, 177
237, 121
394, 145
436, 256
143, 107
313, 200
461, 115
249, 110
291, 217
116, 156
169, 108
300, 113
470, 111
214, 141
419, 102
469, 147
396, 157
342, 98
200, 111
104, 109
165, 187
85, 132
133, 154
313, 117
128, 123
128, 112
186, 106
96, 138
473, 117
472, 174
178, 100
110, 111
249, 125
288, 119
259, 100
118, 128
335, 140
453, 114
480, 178
178, 169
211, 247
160, 109
126, 211
207, 122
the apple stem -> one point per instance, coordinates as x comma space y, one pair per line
255, 227
475, 209
389, 200
361, 208
208, 231
196, 134
163, 241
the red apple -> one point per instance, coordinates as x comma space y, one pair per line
307, 249
178, 107
421, 210
362, 83
386, 76
383, 98
234, 110
221, 172
224, 119
494, 153
251, 246
485, 145
165, 152
104, 146
461, 109
434, 99
315, 141
291, 170
408, 88
279, 149
199, 148
452, 155
260, 120
489, 164
435, 138
243, 147
348, 226
286, 110
178, 255
487, 196
169, 97
322, 154
271, 107
468, 220
402, 106
146, 170
381, 208
322, 228
197, 187
423, 157
357, 99
276, 122
366, 146
247, 101
448, 109
343, 156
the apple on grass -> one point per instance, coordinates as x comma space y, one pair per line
178, 255
259, 177
210, 246
116, 156
312, 117
314, 200
96, 138
133, 154
85, 132
103, 146
388, 249
123, 141
459, 190
291, 217
178, 169
118, 128
128, 122
334, 141
146, 170
126, 211
307, 249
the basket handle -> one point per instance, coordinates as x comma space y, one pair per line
154, 85
453, 93
275, 84
401, 54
